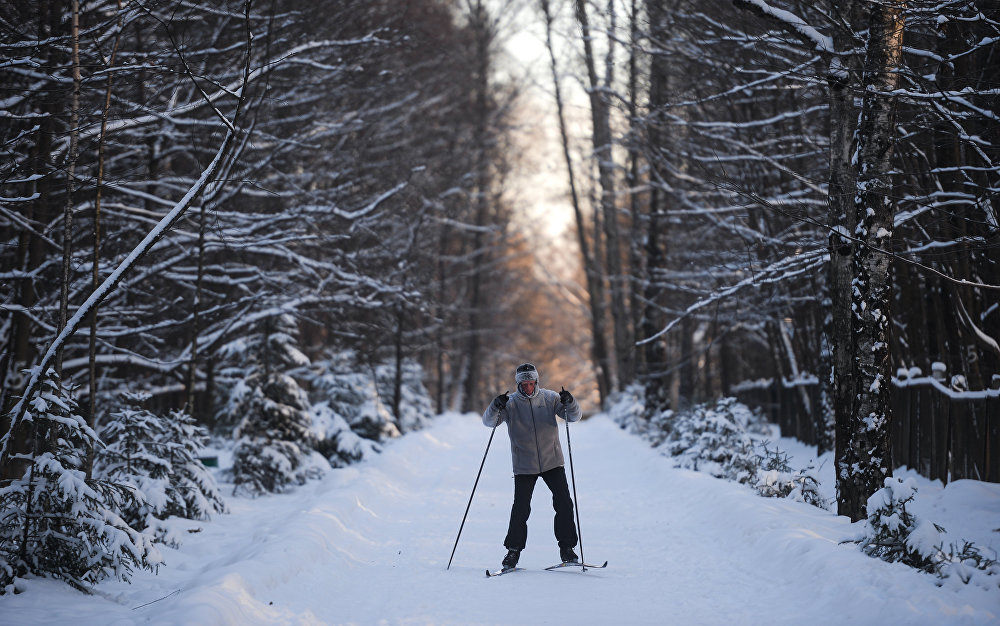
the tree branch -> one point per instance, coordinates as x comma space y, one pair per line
790, 23
111, 282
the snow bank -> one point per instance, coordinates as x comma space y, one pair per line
369, 543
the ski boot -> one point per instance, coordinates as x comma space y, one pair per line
510, 561
568, 556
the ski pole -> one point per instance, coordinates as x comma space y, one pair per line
492, 432
576, 502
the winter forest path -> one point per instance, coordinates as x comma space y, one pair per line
369, 544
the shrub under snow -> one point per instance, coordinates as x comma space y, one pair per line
724, 440
415, 410
274, 443
773, 477
158, 456
712, 439
55, 521
628, 408
892, 533
351, 416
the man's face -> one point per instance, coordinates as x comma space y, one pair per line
528, 387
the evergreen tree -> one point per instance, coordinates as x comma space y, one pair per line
158, 457
706, 437
415, 409
355, 392
195, 492
130, 457
274, 447
335, 440
351, 415
56, 522
894, 534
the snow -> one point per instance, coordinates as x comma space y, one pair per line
822, 42
368, 544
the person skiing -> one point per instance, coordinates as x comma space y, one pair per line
530, 415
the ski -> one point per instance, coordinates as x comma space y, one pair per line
581, 565
551, 568
501, 572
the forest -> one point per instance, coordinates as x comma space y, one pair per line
217, 217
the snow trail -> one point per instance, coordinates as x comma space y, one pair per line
369, 545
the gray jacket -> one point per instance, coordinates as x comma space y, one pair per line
533, 430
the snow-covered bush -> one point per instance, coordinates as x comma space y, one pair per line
270, 411
627, 408
335, 440
274, 443
723, 439
414, 403
892, 533
250, 360
195, 494
706, 438
968, 565
158, 456
56, 522
351, 414
775, 478
351, 392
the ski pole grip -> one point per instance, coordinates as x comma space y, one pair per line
497, 424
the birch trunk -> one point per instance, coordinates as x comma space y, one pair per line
872, 288
838, 386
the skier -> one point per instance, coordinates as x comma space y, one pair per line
535, 452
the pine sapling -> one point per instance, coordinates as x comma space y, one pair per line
894, 534
54, 521
158, 456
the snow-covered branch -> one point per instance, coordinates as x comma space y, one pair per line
110, 283
791, 23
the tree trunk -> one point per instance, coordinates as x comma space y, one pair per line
600, 112
872, 289
595, 286
839, 379
636, 250
397, 380
74, 135
96, 265
480, 260
442, 285
655, 356
192, 371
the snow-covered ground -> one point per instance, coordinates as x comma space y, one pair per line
369, 545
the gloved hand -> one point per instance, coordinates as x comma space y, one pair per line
500, 401
565, 397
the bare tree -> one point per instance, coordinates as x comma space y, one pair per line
595, 283
109, 284
600, 115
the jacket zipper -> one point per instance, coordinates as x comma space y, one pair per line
534, 429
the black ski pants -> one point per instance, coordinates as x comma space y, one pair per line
524, 486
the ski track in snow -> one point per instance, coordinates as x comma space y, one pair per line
369, 544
